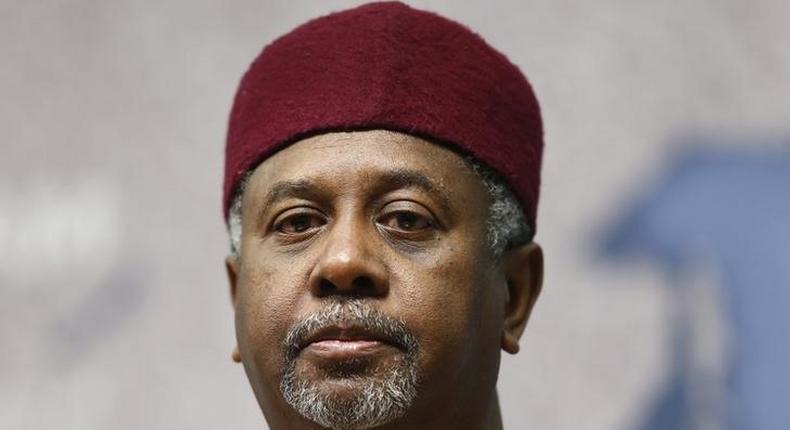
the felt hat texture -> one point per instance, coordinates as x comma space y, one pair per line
388, 66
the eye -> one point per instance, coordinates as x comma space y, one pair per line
407, 221
299, 221
406, 217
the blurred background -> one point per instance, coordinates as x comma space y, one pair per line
664, 214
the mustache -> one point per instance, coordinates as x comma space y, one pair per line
354, 312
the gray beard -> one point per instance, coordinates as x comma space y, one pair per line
379, 400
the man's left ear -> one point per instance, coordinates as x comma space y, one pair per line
523, 268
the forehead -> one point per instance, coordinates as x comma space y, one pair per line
357, 159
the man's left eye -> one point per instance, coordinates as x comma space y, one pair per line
407, 219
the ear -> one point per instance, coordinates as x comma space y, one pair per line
524, 274
232, 267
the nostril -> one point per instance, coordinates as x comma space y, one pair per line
359, 286
364, 285
326, 288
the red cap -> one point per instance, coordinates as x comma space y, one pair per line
388, 66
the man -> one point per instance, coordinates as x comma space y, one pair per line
381, 186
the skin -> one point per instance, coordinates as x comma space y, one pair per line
417, 254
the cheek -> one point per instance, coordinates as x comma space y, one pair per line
267, 298
448, 303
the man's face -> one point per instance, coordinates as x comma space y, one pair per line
365, 276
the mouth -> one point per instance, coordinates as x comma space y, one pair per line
348, 338
344, 343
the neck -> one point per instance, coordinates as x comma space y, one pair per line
489, 418
493, 420
484, 414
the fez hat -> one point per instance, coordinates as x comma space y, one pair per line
388, 66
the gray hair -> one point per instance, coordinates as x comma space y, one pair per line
507, 226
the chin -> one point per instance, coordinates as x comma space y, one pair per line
351, 395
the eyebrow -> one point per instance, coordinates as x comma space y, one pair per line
383, 181
404, 178
290, 188
400, 178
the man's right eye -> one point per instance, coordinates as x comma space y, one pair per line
295, 223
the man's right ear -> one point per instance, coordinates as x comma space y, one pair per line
232, 266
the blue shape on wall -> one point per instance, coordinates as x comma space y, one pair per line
726, 206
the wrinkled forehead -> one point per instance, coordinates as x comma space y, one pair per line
353, 160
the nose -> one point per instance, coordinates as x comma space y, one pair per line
349, 264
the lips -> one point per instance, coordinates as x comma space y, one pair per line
351, 334
346, 343
345, 332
